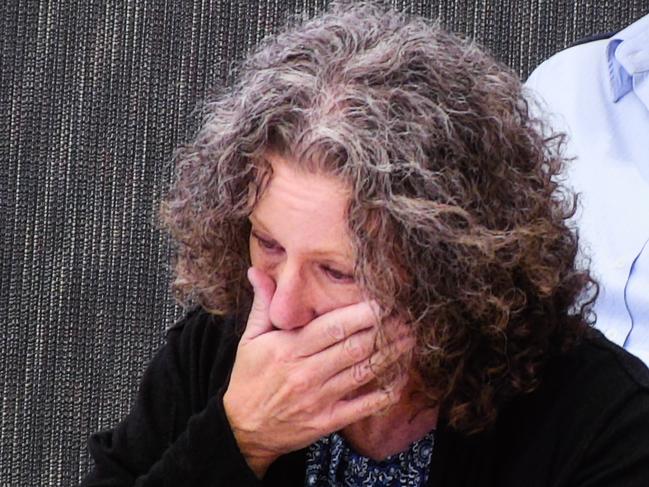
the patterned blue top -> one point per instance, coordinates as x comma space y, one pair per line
332, 462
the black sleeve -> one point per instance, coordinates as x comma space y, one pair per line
177, 432
618, 456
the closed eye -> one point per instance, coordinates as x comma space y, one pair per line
338, 276
267, 244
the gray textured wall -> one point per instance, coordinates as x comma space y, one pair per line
94, 96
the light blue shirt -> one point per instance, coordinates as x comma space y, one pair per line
598, 93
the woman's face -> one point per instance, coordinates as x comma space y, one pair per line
299, 238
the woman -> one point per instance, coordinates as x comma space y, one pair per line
414, 315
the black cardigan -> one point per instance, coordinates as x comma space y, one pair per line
587, 425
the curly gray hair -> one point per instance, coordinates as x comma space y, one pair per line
457, 223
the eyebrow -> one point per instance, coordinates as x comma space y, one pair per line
257, 223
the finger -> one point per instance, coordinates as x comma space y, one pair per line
358, 348
335, 326
363, 372
350, 411
259, 317
355, 349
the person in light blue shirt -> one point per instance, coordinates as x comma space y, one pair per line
598, 93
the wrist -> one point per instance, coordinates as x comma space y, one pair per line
256, 456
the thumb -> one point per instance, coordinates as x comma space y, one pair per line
259, 319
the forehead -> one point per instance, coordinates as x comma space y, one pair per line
302, 184
298, 206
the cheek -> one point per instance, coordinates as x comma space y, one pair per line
333, 296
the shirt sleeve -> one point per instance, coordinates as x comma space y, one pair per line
177, 432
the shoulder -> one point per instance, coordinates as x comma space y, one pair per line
591, 384
598, 363
601, 410
198, 326
577, 62
586, 424
595, 386
571, 92
589, 414
571, 85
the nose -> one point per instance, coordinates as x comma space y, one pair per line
290, 306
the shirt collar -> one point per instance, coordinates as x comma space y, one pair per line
628, 56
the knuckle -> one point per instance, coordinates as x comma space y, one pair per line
285, 353
289, 355
257, 306
371, 404
395, 390
360, 372
299, 383
355, 348
336, 331
309, 410
394, 394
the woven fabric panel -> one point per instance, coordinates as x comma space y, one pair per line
94, 96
